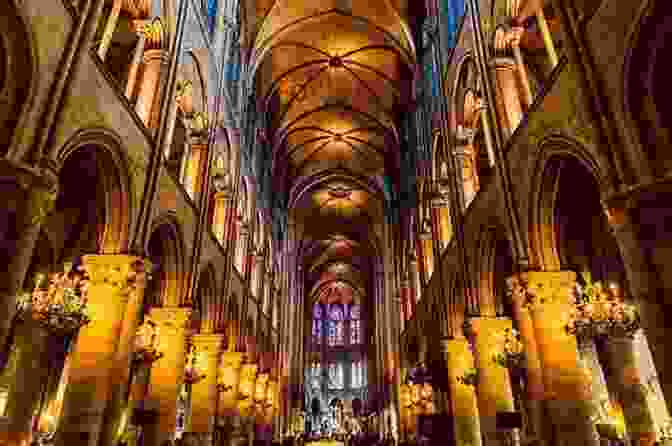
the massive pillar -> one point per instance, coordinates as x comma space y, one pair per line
550, 297
30, 373
123, 358
113, 284
494, 386
30, 197
204, 392
535, 383
463, 394
167, 374
630, 391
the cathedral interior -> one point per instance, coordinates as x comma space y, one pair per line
338, 222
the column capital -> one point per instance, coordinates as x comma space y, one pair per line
535, 288
122, 272
172, 320
485, 325
208, 340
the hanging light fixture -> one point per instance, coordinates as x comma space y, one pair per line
600, 313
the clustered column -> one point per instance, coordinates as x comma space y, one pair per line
112, 282
549, 296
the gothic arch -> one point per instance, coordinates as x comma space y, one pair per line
112, 174
555, 151
18, 72
165, 247
645, 93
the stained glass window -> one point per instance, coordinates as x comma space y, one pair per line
332, 333
212, 15
336, 375
358, 372
340, 332
317, 330
317, 311
355, 332
355, 312
336, 313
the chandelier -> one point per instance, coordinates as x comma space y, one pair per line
62, 306
194, 370
600, 313
146, 343
511, 355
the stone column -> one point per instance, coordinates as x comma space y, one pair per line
630, 391
494, 385
460, 360
197, 160
28, 200
167, 373
593, 369
204, 392
94, 360
25, 390
137, 59
427, 252
645, 288
534, 384
246, 387
124, 356
110, 27
153, 60
508, 95
222, 206
550, 297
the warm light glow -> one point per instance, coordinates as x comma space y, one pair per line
260, 389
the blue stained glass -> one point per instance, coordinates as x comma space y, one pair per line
212, 15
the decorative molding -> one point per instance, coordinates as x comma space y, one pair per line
124, 273
536, 288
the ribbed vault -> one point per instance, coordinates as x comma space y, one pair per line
333, 78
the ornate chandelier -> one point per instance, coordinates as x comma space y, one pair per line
62, 306
600, 313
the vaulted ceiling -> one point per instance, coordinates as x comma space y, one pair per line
334, 77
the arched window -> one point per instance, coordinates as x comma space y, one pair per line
336, 325
318, 314
358, 375
336, 375
212, 15
355, 326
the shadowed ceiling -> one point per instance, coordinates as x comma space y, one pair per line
334, 77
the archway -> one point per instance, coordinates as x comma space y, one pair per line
165, 252
647, 95
16, 71
582, 242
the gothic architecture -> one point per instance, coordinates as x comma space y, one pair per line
432, 221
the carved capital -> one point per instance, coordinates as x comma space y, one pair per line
122, 272
537, 288
208, 343
172, 321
